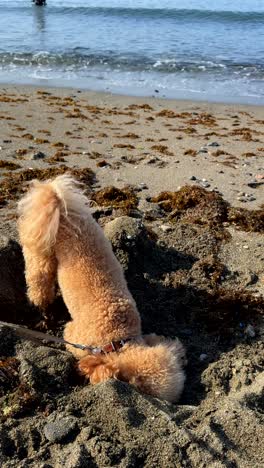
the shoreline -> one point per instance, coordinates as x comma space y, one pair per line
156, 96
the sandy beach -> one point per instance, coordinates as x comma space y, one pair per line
162, 144
178, 187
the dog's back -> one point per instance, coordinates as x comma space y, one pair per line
61, 240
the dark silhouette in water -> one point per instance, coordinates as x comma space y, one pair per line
39, 15
39, 2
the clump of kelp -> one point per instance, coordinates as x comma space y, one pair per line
102, 163
190, 152
8, 165
122, 145
248, 220
193, 204
16, 397
57, 157
163, 149
14, 184
197, 205
116, 198
8, 374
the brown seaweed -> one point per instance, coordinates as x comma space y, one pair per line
131, 135
205, 119
163, 149
190, 152
249, 154
116, 198
121, 145
248, 220
41, 141
193, 204
145, 107
219, 153
9, 165
102, 163
14, 184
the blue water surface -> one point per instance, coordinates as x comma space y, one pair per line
200, 49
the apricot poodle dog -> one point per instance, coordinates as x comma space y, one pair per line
63, 243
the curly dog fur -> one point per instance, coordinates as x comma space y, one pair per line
62, 242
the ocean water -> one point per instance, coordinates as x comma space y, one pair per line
201, 49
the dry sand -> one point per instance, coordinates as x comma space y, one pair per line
142, 140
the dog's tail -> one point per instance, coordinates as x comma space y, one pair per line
44, 207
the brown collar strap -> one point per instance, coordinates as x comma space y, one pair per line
111, 347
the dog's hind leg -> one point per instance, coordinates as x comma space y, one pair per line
40, 272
